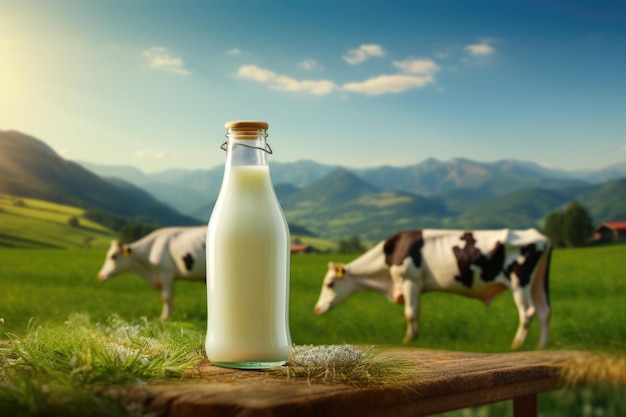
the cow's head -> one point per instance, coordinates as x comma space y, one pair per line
117, 261
337, 286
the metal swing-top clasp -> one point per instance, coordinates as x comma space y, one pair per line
267, 148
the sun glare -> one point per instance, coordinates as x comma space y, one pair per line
10, 79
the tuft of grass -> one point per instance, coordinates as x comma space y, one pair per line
68, 367
112, 353
347, 364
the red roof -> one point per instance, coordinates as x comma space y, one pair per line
615, 225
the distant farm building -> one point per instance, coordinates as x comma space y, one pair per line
301, 248
610, 231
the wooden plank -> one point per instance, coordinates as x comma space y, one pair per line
443, 381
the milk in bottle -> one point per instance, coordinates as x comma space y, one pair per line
248, 249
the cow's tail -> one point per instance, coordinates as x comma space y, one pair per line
541, 282
546, 282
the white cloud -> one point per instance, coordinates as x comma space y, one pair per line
623, 148
309, 65
161, 59
234, 51
480, 49
415, 73
150, 153
417, 66
385, 84
284, 83
363, 53
255, 73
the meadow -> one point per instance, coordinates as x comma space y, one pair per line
43, 287
31, 223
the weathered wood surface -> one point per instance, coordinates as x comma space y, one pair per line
443, 381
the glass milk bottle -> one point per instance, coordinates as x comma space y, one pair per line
248, 249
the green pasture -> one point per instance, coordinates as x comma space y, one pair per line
588, 291
44, 287
30, 223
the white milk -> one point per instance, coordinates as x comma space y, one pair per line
248, 273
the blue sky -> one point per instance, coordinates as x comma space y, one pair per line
150, 83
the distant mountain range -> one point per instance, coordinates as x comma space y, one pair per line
335, 201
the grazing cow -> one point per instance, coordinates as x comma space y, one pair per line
478, 264
163, 256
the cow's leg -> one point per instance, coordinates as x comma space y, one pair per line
406, 289
544, 315
525, 309
167, 296
411, 290
397, 273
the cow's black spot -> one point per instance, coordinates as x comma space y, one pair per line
524, 270
465, 258
189, 261
493, 266
470, 255
404, 244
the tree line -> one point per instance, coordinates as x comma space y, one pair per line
129, 230
570, 227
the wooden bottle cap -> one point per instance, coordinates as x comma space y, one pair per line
246, 125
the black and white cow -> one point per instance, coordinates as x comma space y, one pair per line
478, 264
163, 256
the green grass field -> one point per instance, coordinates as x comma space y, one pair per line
588, 290
587, 295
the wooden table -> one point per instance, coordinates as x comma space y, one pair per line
444, 381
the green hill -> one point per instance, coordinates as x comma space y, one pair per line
606, 202
30, 168
337, 187
522, 208
341, 205
31, 223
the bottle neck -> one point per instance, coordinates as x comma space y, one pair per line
247, 148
